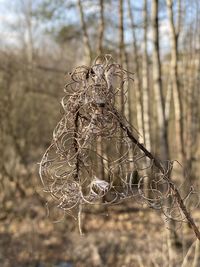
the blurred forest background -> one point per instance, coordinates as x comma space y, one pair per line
41, 41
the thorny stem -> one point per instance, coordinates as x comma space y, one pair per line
158, 164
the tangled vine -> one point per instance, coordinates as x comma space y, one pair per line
95, 156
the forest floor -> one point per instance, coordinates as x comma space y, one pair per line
126, 235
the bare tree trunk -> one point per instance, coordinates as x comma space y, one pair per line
145, 94
145, 83
87, 47
162, 129
174, 74
125, 92
137, 79
101, 28
99, 143
121, 47
192, 68
192, 118
157, 84
142, 89
168, 101
178, 105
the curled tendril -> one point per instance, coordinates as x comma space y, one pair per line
91, 160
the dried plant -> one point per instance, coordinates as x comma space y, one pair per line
70, 167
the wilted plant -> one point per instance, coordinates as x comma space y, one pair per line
70, 167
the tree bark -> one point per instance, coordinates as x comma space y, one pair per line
101, 28
99, 143
87, 47
137, 78
162, 123
157, 84
122, 54
145, 84
125, 92
178, 107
